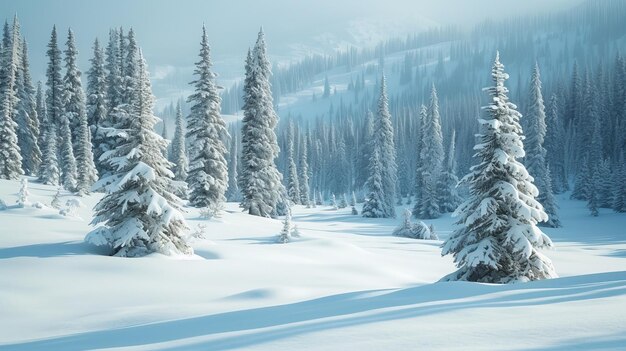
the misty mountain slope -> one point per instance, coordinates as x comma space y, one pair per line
346, 283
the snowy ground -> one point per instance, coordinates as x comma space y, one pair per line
345, 285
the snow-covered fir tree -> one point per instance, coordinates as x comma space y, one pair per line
418, 183
431, 159
11, 159
259, 181
293, 183
499, 240
28, 120
555, 150
49, 172
23, 193
178, 150
333, 202
56, 199
76, 115
287, 231
449, 196
66, 152
139, 215
305, 196
233, 193
97, 101
206, 130
374, 201
535, 160
619, 185
384, 163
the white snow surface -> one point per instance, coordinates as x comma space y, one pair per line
346, 284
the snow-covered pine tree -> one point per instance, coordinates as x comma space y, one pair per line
333, 202
549, 204
76, 115
22, 195
11, 160
305, 196
293, 183
139, 214
594, 180
431, 160
208, 172
374, 202
285, 234
96, 105
535, 160
233, 193
619, 185
56, 199
319, 199
419, 170
260, 182
28, 133
68, 161
449, 196
555, 151
499, 238
49, 172
605, 186
384, 144
178, 150
343, 203
40, 105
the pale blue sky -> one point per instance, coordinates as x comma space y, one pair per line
168, 31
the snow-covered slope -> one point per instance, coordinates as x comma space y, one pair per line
347, 284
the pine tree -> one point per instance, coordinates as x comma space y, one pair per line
11, 160
293, 184
286, 232
49, 172
499, 240
374, 202
260, 181
384, 144
28, 136
22, 195
40, 105
179, 152
535, 159
549, 204
139, 215
76, 115
233, 193
619, 185
68, 161
96, 105
555, 151
419, 171
208, 172
305, 196
431, 160
449, 196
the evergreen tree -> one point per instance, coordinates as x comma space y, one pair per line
499, 240
420, 170
179, 152
260, 181
22, 195
535, 159
287, 231
305, 196
384, 143
49, 172
293, 184
374, 202
28, 136
555, 151
96, 105
449, 196
431, 160
233, 193
11, 160
76, 115
40, 105
139, 214
208, 172
619, 185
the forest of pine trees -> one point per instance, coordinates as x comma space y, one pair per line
398, 137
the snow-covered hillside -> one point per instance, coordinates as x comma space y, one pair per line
346, 284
